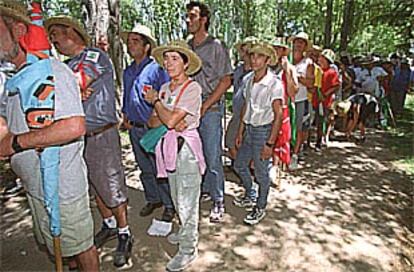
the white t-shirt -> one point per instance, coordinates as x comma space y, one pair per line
259, 98
301, 68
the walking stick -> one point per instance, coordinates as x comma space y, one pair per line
58, 254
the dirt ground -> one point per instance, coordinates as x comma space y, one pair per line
346, 209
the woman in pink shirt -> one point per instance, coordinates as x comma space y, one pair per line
179, 154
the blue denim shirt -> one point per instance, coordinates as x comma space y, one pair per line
147, 72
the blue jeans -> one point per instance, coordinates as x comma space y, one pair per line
253, 142
155, 190
211, 132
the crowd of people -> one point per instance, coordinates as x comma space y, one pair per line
172, 106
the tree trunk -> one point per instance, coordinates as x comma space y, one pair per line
328, 24
346, 24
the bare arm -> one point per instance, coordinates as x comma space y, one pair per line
241, 126
292, 81
171, 118
331, 91
277, 121
309, 80
3, 128
60, 132
221, 88
267, 150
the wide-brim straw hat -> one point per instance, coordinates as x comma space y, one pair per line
141, 30
69, 22
248, 41
329, 55
266, 49
280, 42
303, 36
15, 10
194, 61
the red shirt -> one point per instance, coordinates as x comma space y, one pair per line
330, 79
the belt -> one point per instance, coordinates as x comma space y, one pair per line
136, 124
100, 130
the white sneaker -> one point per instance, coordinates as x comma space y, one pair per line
181, 261
293, 162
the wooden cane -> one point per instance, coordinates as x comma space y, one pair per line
58, 254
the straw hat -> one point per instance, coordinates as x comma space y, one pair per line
194, 62
266, 49
141, 30
69, 22
247, 41
341, 108
316, 48
329, 55
368, 60
279, 42
303, 36
14, 9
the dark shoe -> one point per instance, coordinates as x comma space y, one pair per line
255, 216
205, 197
104, 235
168, 215
149, 208
123, 250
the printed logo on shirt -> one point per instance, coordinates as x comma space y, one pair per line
92, 56
171, 100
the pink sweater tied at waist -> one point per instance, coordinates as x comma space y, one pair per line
166, 153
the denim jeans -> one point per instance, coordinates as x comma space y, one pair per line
155, 190
211, 132
253, 142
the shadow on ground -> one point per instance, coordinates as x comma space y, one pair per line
346, 209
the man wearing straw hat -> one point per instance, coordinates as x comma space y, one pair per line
94, 71
305, 72
142, 74
261, 121
214, 78
24, 146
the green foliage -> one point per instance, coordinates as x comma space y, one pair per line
380, 26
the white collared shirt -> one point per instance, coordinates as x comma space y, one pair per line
259, 98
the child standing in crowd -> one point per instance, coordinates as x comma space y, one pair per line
261, 120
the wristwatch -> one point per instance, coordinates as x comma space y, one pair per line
15, 145
269, 144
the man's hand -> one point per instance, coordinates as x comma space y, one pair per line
181, 126
266, 152
151, 96
6, 149
239, 140
284, 61
87, 93
126, 123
